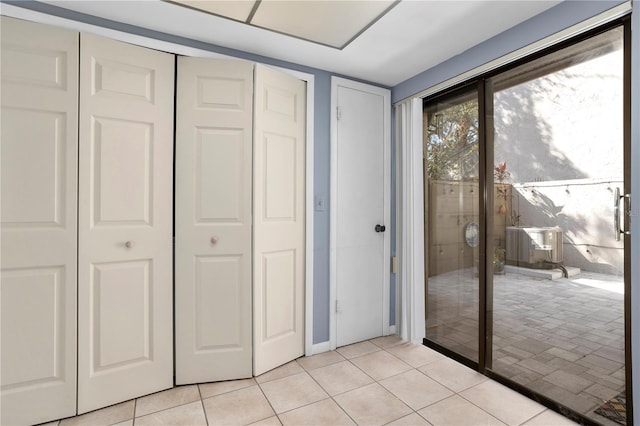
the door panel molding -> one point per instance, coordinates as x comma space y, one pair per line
38, 280
214, 146
309, 347
125, 292
279, 219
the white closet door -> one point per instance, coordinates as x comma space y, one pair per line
361, 202
39, 223
213, 220
125, 290
279, 218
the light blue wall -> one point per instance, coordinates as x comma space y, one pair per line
321, 176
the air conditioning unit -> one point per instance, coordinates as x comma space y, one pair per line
538, 248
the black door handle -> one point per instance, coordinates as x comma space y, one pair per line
380, 228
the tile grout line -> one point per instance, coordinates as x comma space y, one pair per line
480, 408
416, 369
454, 392
364, 372
331, 396
268, 401
491, 414
167, 408
393, 375
533, 417
350, 390
378, 382
206, 419
435, 379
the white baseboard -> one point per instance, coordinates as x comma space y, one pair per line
392, 329
319, 348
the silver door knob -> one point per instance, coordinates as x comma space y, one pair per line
214, 239
129, 244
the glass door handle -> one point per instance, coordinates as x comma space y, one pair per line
616, 213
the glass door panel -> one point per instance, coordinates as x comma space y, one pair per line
452, 222
558, 271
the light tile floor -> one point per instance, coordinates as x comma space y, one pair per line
377, 382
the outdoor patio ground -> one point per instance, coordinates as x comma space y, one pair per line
562, 338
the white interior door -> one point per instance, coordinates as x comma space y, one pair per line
360, 202
279, 218
125, 333
39, 221
214, 120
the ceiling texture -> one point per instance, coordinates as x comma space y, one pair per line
384, 42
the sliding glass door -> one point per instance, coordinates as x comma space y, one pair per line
526, 276
452, 234
558, 304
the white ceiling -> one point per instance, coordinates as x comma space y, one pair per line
334, 23
413, 36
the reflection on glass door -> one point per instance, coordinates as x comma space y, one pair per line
452, 222
558, 276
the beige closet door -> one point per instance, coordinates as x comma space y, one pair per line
39, 224
125, 222
213, 220
279, 225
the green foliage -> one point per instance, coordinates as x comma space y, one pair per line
451, 142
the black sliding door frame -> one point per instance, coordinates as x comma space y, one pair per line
484, 90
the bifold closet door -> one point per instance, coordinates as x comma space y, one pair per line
239, 219
213, 219
125, 332
39, 225
279, 218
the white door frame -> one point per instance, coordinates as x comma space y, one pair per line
179, 49
333, 212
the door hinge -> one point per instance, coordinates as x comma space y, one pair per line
337, 306
338, 113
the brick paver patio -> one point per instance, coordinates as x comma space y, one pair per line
562, 338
